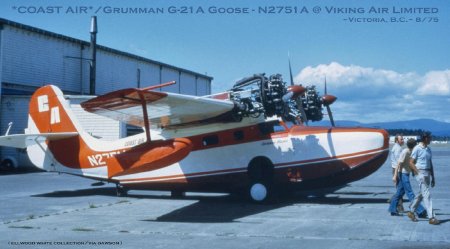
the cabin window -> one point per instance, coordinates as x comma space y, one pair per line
238, 135
210, 140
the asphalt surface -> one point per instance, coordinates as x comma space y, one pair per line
50, 210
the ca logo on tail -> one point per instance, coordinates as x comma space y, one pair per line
43, 106
43, 103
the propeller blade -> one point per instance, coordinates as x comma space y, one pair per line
330, 115
327, 100
298, 98
290, 72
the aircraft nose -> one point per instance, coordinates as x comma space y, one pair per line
385, 137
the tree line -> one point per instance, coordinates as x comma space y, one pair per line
415, 132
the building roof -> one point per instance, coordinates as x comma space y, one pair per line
86, 43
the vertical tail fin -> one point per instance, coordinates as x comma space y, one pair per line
50, 112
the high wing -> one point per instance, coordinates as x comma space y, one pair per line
163, 109
23, 140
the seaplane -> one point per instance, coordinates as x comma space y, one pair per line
253, 139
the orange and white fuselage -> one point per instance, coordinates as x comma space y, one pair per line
211, 157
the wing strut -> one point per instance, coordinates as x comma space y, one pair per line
145, 113
144, 106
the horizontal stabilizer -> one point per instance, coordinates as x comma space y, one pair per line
24, 140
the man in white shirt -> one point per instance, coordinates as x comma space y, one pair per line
422, 167
395, 155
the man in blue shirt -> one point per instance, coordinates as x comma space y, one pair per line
422, 167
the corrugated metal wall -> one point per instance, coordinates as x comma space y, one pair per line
33, 59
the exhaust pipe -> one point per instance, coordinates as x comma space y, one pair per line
93, 46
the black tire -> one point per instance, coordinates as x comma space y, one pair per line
8, 165
260, 173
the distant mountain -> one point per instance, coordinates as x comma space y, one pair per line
437, 128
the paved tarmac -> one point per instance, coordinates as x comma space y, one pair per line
49, 210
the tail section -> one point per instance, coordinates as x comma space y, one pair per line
49, 112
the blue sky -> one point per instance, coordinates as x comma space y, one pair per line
380, 71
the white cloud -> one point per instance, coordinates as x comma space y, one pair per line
366, 82
435, 83
353, 78
367, 94
354, 75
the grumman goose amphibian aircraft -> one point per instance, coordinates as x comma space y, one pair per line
252, 138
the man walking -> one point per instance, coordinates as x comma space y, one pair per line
422, 167
395, 155
401, 178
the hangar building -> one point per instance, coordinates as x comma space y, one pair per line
31, 57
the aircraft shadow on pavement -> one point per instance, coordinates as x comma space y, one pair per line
108, 191
230, 208
225, 208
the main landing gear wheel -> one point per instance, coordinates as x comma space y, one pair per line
260, 173
121, 190
258, 192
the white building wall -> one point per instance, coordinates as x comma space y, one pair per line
118, 71
167, 75
114, 72
150, 74
35, 59
203, 87
188, 84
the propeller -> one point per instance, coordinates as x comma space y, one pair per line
327, 100
298, 91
